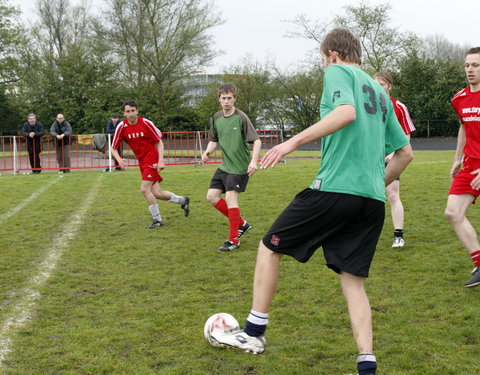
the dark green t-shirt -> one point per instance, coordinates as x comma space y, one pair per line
353, 158
233, 133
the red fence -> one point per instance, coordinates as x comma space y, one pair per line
92, 151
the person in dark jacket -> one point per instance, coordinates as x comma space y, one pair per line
61, 130
111, 126
33, 132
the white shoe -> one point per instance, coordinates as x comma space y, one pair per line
398, 242
240, 340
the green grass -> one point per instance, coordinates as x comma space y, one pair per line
126, 300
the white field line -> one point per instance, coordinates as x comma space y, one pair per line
18, 207
23, 309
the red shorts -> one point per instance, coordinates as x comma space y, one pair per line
461, 182
150, 174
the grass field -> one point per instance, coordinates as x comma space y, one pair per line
86, 289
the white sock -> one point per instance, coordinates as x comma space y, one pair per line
155, 212
258, 318
177, 199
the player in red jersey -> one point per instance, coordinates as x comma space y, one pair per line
465, 171
145, 140
393, 190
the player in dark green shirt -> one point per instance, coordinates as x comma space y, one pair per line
232, 130
344, 208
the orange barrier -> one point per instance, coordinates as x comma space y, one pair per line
92, 151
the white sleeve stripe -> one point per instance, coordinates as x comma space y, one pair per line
154, 129
406, 116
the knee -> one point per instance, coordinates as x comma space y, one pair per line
452, 215
392, 197
212, 198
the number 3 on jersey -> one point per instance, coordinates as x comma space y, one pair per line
371, 106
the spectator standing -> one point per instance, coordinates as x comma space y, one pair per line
33, 133
61, 130
111, 126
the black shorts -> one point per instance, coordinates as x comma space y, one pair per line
227, 181
346, 226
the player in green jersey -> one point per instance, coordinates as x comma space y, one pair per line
344, 208
232, 130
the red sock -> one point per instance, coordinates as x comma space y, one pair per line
476, 258
234, 219
222, 207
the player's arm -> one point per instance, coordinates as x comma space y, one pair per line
116, 155
161, 163
340, 117
212, 146
252, 168
399, 161
457, 162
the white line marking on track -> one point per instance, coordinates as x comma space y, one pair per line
18, 207
22, 310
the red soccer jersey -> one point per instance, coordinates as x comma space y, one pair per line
467, 106
142, 138
403, 116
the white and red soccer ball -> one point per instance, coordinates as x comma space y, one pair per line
219, 322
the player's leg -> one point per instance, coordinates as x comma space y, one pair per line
457, 206
165, 195
456, 210
146, 190
393, 194
251, 339
214, 197
361, 320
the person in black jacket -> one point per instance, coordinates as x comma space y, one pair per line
111, 126
62, 130
33, 132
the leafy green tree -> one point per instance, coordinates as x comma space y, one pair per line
427, 86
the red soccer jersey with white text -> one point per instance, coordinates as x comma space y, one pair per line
142, 138
467, 106
403, 116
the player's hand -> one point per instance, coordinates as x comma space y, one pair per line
455, 169
252, 168
272, 157
160, 166
388, 158
206, 157
122, 164
476, 181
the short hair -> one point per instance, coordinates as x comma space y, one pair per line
473, 50
31, 115
131, 103
114, 115
226, 88
344, 43
387, 77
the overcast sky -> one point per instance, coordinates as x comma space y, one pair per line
257, 27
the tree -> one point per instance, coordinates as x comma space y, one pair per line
427, 86
12, 39
383, 45
69, 71
438, 47
159, 42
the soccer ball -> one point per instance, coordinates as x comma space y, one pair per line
222, 322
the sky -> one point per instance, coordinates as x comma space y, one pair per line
256, 29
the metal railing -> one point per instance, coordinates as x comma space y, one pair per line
92, 151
